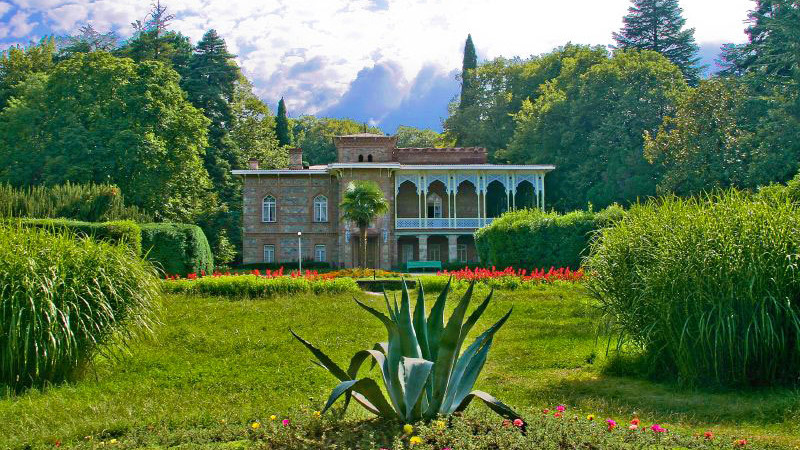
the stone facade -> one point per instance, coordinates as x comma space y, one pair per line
437, 198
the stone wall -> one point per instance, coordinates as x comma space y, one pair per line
349, 148
458, 155
295, 198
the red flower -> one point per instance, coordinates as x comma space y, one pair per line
708, 435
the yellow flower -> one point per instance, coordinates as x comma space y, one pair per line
255, 425
590, 417
408, 429
112, 442
441, 424
273, 417
317, 413
415, 440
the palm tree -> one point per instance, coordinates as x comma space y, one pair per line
363, 201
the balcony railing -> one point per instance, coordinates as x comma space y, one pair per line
441, 223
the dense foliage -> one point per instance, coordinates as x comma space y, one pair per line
177, 248
423, 369
86, 202
707, 287
534, 238
256, 286
315, 136
62, 299
116, 232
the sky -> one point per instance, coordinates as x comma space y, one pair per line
384, 62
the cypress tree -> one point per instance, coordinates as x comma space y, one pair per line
470, 63
658, 25
282, 125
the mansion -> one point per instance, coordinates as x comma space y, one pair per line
437, 198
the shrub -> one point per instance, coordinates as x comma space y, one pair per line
532, 238
253, 286
61, 298
707, 287
117, 232
87, 202
177, 248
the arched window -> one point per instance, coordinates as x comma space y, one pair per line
360, 158
434, 206
320, 208
269, 209
369, 158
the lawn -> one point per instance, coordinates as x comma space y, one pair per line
215, 365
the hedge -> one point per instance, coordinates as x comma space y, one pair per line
532, 238
253, 286
176, 248
114, 232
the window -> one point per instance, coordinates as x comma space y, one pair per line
369, 158
434, 253
319, 253
269, 253
462, 253
269, 209
320, 208
360, 158
434, 206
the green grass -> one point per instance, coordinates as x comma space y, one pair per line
216, 365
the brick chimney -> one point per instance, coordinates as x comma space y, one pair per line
253, 164
296, 158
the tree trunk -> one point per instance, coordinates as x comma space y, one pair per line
364, 245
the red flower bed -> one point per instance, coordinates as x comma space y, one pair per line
563, 273
311, 275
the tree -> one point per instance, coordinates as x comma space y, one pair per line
86, 41
18, 63
98, 118
315, 136
282, 125
253, 130
467, 98
362, 202
415, 137
657, 25
153, 41
590, 124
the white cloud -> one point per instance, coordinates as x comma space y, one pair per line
311, 51
4, 8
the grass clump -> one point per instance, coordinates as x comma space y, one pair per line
62, 297
117, 232
254, 286
707, 287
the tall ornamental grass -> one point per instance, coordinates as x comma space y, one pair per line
253, 286
62, 297
707, 287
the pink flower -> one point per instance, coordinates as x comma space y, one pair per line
658, 428
561, 408
286, 422
611, 424
633, 427
557, 415
518, 423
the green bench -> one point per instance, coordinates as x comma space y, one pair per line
423, 265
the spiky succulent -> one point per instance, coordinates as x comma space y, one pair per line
424, 372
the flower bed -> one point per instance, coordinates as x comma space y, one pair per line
563, 274
259, 285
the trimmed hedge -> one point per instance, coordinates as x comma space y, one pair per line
532, 238
307, 264
177, 248
253, 286
123, 231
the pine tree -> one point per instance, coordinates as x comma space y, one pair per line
282, 125
470, 63
658, 25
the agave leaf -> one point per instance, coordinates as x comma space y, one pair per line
415, 372
464, 378
493, 404
388, 306
389, 323
436, 321
324, 360
408, 338
377, 357
420, 327
382, 347
476, 314
366, 387
450, 341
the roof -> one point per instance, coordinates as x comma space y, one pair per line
323, 169
357, 135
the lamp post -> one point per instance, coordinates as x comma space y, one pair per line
300, 252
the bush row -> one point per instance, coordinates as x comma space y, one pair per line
253, 286
174, 248
532, 238
707, 287
62, 296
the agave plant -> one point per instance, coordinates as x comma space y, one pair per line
423, 370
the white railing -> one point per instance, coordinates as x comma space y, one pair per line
441, 223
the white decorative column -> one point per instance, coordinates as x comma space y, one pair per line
541, 178
452, 247
483, 189
423, 247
